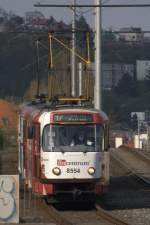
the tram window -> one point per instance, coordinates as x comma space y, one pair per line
72, 138
48, 138
106, 138
99, 138
36, 137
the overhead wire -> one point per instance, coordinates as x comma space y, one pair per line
91, 9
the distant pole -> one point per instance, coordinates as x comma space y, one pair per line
97, 89
73, 88
138, 132
37, 67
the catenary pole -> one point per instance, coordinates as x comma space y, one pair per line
97, 89
80, 78
73, 62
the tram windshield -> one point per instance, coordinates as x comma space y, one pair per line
72, 138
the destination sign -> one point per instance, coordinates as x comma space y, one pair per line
73, 117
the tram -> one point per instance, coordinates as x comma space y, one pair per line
63, 149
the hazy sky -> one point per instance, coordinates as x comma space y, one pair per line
115, 17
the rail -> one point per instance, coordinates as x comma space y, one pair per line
61, 220
139, 174
110, 218
52, 212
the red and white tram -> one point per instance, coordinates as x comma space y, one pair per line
63, 150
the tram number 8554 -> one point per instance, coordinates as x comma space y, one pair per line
73, 170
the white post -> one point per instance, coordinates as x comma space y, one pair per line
80, 78
138, 133
73, 90
97, 89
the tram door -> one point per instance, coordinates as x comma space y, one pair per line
36, 150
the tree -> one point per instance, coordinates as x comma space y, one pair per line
82, 25
14, 22
126, 86
108, 36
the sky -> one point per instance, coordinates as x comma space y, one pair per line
114, 18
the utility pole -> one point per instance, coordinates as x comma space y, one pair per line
37, 68
97, 89
73, 62
80, 78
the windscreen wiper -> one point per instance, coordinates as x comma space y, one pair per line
62, 150
85, 151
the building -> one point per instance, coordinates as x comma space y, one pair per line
112, 73
143, 69
35, 20
131, 34
33, 15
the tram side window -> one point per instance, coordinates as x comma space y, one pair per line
36, 137
47, 141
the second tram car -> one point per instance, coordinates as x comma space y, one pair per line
63, 150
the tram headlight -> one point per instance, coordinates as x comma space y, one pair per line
56, 171
91, 170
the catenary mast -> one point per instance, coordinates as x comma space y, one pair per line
73, 62
97, 88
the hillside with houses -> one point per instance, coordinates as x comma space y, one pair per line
125, 61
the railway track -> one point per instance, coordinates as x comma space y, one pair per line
97, 216
134, 162
39, 212
109, 217
35, 209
